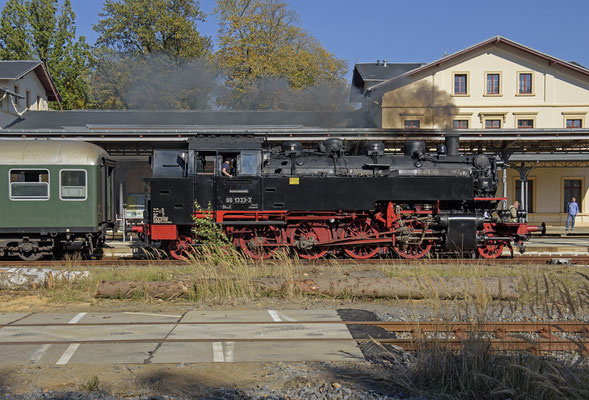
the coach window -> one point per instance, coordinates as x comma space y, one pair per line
72, 185
29, 184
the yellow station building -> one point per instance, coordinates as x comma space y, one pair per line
497, 86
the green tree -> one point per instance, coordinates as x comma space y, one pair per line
53, 32
153, 26
260, 46
46, 30
14, 35
142, 39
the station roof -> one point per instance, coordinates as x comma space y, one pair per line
172, 119
366, 75
13, 70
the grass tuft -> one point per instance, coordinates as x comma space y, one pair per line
91, 385
478, 372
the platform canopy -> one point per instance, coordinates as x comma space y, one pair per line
138, 132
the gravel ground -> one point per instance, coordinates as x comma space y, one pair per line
318, 393
357, 381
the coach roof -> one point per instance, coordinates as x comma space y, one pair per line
50, 152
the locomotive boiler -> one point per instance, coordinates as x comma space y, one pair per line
328, 201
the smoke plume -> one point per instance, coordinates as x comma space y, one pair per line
158, 82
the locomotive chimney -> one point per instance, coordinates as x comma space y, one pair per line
452, 143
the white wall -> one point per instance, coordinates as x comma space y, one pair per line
28, 82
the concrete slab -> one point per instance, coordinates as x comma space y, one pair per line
7, 318
51, 318
11, 354
288, 351
222, 316
226, 332
173, 353
130, 317
226, 341
256, 352
122, 353
81, 333
260, 316
307, 315
31, 354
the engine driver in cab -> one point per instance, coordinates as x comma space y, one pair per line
226, 168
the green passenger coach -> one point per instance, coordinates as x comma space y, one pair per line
55, 196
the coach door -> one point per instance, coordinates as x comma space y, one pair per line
241, 191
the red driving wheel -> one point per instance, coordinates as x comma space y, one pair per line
182, 249
361, 230
491, 248
304, 235
262, 243
411, 250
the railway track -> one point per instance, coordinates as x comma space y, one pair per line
109, 262
536, 337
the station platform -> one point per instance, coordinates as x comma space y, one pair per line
558, 230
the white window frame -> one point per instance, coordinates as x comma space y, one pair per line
85, 183
12, 198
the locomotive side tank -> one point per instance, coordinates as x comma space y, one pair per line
53, 195
328, 201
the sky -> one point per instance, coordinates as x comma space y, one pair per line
417, 31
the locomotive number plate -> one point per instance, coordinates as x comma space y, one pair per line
293, 181
238, 200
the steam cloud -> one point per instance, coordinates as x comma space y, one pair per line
160, 83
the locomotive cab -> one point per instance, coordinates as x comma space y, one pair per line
189, 180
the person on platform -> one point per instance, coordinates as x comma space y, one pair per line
513, 211
572, 210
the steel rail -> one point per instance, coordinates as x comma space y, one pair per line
390, 326
121, 263
407, 344
503, 340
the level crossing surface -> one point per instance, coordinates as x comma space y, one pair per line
192, 337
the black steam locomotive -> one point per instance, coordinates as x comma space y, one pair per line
325, 200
